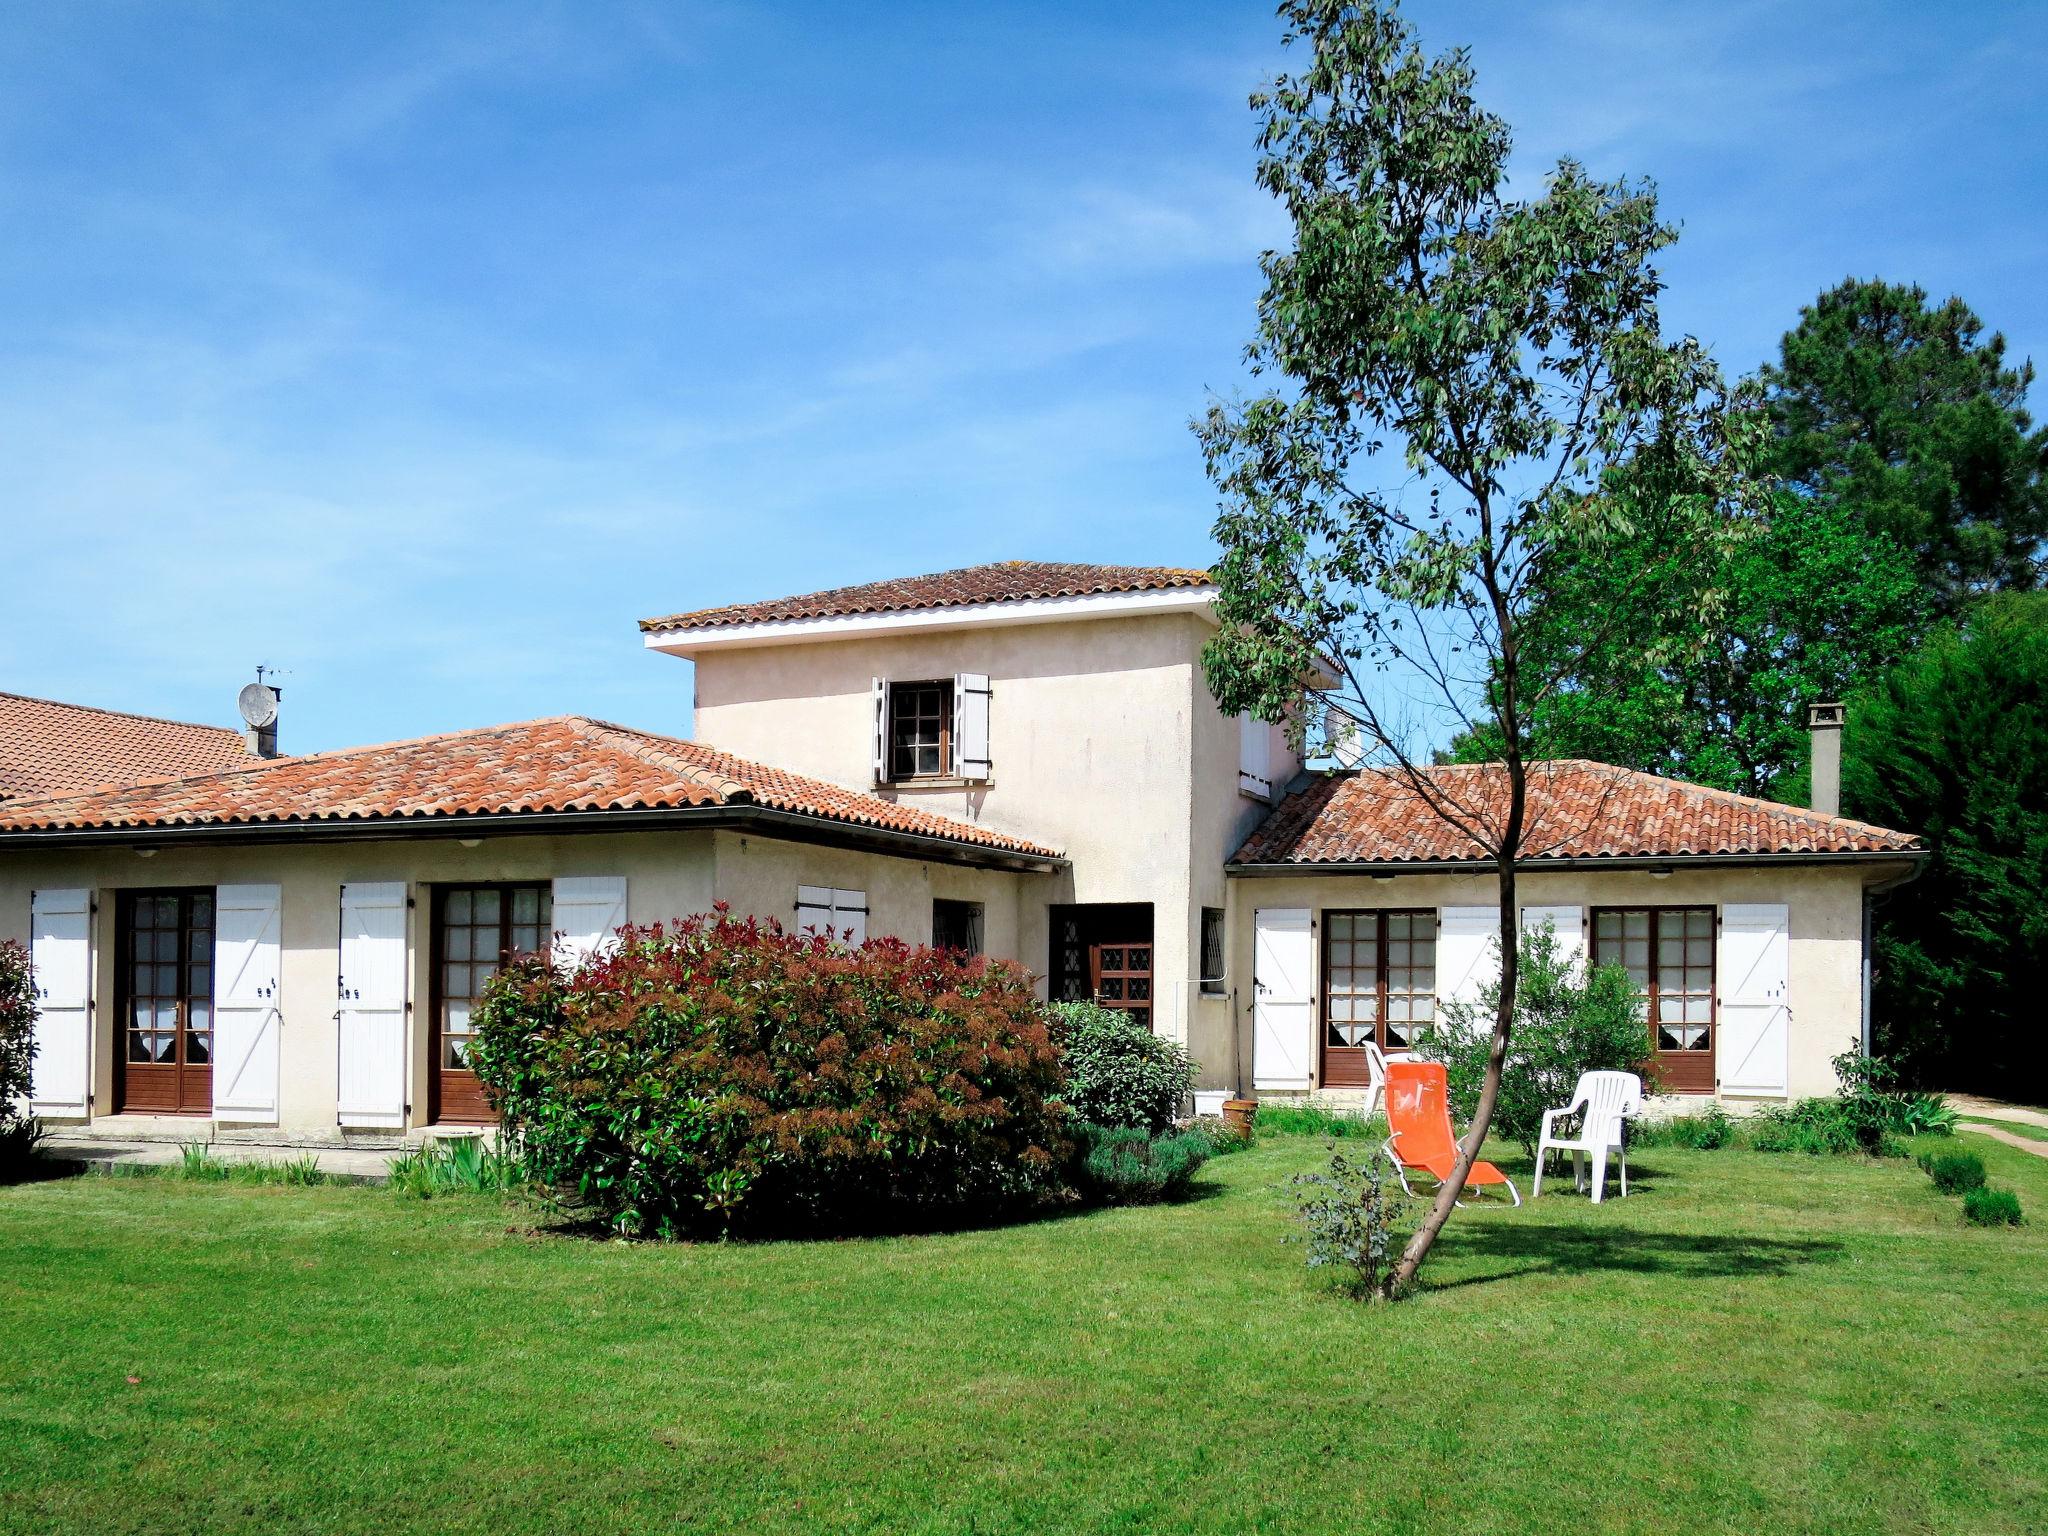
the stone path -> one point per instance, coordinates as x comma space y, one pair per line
1996, 1109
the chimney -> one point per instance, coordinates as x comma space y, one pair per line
1824, 721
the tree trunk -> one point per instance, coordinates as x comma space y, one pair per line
1403, 1273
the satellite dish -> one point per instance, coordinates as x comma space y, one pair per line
258, 704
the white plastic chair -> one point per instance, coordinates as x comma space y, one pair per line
1376, 1089
1602, 1101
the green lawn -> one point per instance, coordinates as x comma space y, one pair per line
1751, 1343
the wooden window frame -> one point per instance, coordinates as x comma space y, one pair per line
1679, 1071
942, 689
1327, 990
437, 991
125, 997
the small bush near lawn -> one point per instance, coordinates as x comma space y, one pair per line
461, 1165
1992, 1207
1312, 1117
1124, 1165
1568, 1021
1866, 1116
1706, 1130
1347, 1216
723, 1074
1223, 1137
19, 1130
1118, 1071
1954, 1173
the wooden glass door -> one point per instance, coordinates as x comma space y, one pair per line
1103, 952
476, 928
165, 1062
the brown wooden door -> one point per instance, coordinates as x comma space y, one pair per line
1669, 954
476, 927
165, 1062
1120, 973
1379, 988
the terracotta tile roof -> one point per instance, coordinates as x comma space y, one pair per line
47, 746
1578, 810
568, 763
1010, 581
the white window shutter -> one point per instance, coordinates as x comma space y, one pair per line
1752, 972
1467, 953
970, 727
246, 956
1255, 756
845, 913
850, 916
60, 952
881, 692
1283, 997
370, 1005
1569, 923
589, 912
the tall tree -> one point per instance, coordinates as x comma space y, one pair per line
1811, 604
1953, 744
1908, 414
1453, 373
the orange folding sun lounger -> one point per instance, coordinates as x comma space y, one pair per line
1419, 1117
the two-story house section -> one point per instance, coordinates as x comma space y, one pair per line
1056, 702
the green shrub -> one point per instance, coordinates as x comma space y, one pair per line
722, 1073
1118, 1071
1866, 1115
1568, 1021
1989, 1207
1704, 1130
1953, 1172
1125, 1165
1347, 1216
1926, 1114
302, 1171
1312, 1117
196, 1161
461, 1165
1223, 1137
20, 1133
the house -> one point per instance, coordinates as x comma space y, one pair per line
1022, 759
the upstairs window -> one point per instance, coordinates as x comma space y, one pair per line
920, 730
933, 728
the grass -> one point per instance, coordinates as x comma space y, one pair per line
1751, 1341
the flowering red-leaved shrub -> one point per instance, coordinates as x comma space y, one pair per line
719, 1073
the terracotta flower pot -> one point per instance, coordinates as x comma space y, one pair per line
1238, 1114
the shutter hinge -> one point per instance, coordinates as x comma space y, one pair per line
410, 903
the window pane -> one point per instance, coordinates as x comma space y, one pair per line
199, 981
138, 1046
198, 1049
487, 907
458, 906
201, 1015
458, 943
455, 981
526, 905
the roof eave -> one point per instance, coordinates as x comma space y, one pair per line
788, 826
689, 642
1387, 868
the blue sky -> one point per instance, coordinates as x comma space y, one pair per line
420, 349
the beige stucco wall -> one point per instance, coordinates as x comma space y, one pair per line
668, 875
1825, 916
1104, 741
